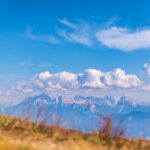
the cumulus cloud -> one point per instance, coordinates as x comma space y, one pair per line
62, 80
124, 39
119, 79
89, 79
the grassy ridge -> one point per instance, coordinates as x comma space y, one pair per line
24, 135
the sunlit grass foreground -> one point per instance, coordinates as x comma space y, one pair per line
24, 135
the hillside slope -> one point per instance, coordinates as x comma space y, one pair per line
23, 135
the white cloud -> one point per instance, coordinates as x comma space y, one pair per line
62, 80
124, 39
146, 88
147, 69
77, 32
91, 34
89, 79
119, 79
68, 23
29, 63
43, 38
1, 92
114, 37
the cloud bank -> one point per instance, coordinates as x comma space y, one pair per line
89, 79
93, 81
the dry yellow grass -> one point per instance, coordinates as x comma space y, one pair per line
23, 135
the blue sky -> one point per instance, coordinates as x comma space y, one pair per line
64, 35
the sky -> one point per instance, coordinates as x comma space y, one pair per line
101, 46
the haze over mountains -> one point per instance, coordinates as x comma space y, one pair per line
83, 113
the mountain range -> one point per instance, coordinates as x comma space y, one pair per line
85, 113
